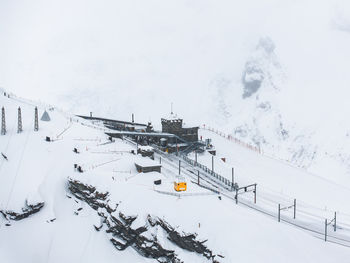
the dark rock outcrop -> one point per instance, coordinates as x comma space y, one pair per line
185, 241
124, 235
120, 227
28, 210
90, 195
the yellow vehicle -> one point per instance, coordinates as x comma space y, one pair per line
180, 186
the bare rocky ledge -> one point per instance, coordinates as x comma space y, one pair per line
124, 235
28, 210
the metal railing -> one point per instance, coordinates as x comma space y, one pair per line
183, 194
224, 182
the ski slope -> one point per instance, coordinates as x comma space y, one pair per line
63, 231
280, 183
276, 176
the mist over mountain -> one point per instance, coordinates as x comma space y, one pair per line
273, 73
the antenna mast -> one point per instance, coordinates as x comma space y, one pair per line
19, 127
36, 121
3, 122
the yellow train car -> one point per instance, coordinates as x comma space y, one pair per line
180, 186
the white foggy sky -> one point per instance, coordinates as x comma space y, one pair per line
113, 53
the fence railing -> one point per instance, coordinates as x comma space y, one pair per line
254, 148
183, 194
227, 184
232, 138
217, 178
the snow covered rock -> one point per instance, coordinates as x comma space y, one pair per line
124, 235
29, 209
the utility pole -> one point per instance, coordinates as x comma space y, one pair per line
36, 121
19, 127
279, 212
294, 205
326, 223
177, 148
195, 152
245, 189
179, 167
236, 197
254, 193
233, 178
198, 177
3, 122
132, 117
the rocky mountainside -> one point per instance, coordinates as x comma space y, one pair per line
259, 109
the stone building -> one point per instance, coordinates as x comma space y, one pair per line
175, 126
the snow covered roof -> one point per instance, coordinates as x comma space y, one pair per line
146, 162
172, 117
146, 148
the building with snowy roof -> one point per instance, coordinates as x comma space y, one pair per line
175, 125
146, 165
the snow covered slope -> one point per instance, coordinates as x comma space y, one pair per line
278, 181
64, 229
308, 129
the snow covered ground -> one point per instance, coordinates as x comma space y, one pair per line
279, 182
275, 175
273, 73
39, 169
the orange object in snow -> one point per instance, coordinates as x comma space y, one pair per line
180, 186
